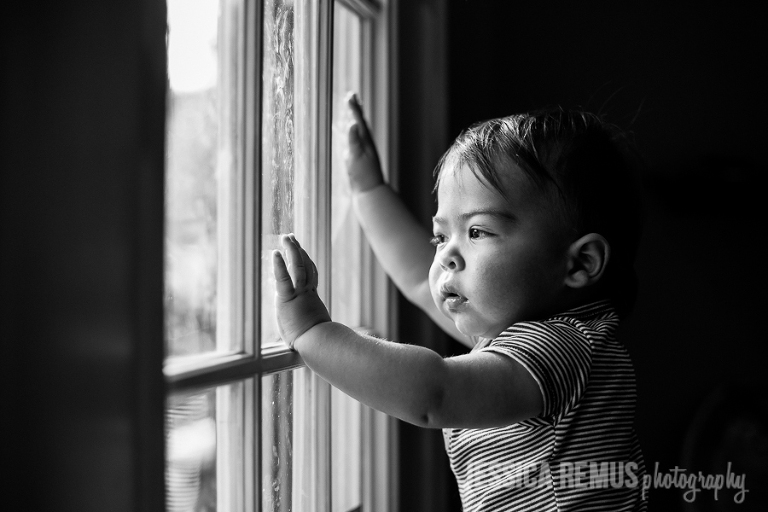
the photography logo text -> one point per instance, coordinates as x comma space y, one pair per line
605, 474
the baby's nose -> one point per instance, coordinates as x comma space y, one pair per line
450, 260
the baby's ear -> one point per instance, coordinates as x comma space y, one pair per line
587, 259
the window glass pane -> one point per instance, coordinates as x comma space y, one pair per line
346, 452
289, 142
346, 261
346, 239
190, 472
201, 176
204, 449
293, 443
277, 441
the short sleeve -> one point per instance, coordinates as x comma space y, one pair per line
558, 356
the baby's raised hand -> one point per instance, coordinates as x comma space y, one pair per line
361, 158
299, 308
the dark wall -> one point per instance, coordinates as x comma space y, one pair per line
689, 79
81, 213
426, 483
692, 74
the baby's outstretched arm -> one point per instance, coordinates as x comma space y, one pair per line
376, 372
399, 242
409, 382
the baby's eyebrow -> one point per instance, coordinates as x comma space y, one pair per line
500, 214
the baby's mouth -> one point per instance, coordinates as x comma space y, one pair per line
452, 299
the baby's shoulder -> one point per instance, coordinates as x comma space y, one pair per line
584, 324
553, 327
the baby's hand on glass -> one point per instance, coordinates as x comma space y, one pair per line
361, 158
299, 308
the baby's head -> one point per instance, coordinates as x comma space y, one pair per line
583, 171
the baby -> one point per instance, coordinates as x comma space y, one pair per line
530, 263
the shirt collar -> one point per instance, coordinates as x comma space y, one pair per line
589, 311
597, 309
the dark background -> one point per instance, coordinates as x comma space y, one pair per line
688, 79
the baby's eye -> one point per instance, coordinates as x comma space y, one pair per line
476, 234
479, 234
437, 240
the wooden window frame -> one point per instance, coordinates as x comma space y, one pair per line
188, 374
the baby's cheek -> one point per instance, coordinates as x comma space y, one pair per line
494, 279
434, 275
500, 292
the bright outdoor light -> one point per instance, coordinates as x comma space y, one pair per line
192, 27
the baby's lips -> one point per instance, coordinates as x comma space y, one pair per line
447, 291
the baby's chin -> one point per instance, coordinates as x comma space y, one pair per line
466, 324
473, 330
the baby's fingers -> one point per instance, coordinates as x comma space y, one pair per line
310, 270
356, 140
283, 282
296, 265
360, 126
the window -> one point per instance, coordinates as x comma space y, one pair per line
255, 131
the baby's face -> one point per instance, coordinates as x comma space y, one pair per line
497, 260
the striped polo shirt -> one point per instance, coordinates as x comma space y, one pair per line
581, 452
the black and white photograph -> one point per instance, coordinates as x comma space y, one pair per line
384, 256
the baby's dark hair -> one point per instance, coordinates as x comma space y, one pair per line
591, 165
